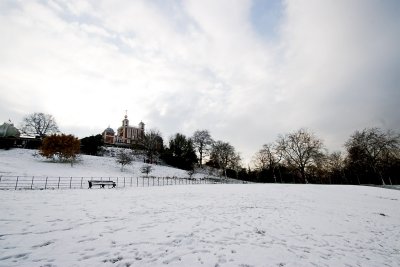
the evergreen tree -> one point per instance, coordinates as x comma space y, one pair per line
180, 153
91, 145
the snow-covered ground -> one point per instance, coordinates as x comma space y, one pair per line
192, 225
202, 225
22, 162
25, 169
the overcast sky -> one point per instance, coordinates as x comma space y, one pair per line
245, 70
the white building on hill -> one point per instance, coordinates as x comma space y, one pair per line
126, 134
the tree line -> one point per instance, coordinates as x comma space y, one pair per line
372, 155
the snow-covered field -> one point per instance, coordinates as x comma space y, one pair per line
194, 225
202, 225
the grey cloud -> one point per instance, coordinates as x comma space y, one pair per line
332, 67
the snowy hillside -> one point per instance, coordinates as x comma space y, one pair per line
22, 162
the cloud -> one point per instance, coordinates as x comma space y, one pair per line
179, 66
339, 58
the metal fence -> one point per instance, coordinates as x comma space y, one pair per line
62, 182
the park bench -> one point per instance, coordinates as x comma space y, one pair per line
101, 183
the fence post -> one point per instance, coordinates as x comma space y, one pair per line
32, 182
58, 184
137, 181
117, 181
153, 180
158, 181
45, 185
16, 183
163, 181
81, 181
124, 181
70, 182
131, 181
148, 181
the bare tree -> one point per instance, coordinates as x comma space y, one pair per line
300, 149
202, 142
236, 164
153, 144
223, 154
335, 167
124, 158
373, 149
268, 158
39, 124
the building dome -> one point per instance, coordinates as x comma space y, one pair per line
141, 125
8, 130
109, 131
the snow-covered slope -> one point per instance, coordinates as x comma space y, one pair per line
202, 225
22, 162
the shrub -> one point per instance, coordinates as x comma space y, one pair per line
124, 158
146, 169
62, 147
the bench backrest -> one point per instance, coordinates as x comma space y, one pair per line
102, 182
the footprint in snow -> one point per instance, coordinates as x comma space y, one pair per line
43, 244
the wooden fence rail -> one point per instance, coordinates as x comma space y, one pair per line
63, 182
